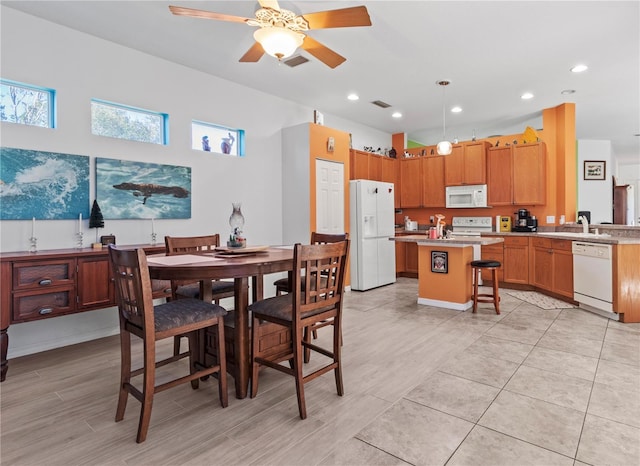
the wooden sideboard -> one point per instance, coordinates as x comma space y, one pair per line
52, 283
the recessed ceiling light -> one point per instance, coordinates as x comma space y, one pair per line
568, 91
456, 109
353, 97
526, 96
579, 68
396, 115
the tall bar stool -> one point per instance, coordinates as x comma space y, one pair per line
494, 298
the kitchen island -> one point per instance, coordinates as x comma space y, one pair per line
444, 270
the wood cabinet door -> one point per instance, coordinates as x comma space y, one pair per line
94, 287
454, 167
411, 258
516, 261
529, 172
433, 189
411, 182
493, 252
359, 169
563, 273
475, 163
499, 176
375, 167
389, 174
543, 268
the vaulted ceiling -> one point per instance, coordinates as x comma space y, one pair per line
492, 52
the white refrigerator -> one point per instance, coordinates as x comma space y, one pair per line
372, 214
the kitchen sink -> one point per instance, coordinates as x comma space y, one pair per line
578, 235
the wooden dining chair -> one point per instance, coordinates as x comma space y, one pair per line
283, 285
138, 316
184, 289
318, 299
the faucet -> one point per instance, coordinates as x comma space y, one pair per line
585, 224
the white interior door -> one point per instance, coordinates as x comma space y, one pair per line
329, 197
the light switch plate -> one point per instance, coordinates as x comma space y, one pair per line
551, 219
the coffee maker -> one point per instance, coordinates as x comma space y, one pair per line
525, 222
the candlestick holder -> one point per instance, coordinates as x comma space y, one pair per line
33, 244
79, 239
154, 237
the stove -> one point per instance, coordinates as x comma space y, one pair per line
470, 226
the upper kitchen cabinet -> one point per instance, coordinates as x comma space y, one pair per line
359, 162
466, 164
516, 175
433, 188
499, 176
368, 166
529, 173
411, 182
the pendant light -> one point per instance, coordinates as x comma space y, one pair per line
444, 147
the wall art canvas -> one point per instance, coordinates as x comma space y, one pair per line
44, 185
127, 189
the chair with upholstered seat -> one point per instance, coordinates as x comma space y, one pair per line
315, 299
183, 289
138, 316
477, 266
283, 285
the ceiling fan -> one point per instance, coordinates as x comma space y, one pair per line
281, 31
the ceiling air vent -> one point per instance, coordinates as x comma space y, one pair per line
381, 104
295, 61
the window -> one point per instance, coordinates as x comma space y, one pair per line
123, 122
213, 138
27, 105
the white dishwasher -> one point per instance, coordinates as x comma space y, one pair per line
593, 277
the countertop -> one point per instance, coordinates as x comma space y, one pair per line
457, 242
571, 236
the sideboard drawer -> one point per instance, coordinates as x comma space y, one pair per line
43, 274
34, 306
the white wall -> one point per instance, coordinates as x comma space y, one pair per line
595, 195
81, 67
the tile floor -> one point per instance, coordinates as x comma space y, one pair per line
424, 386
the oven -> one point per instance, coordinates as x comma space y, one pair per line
471, 226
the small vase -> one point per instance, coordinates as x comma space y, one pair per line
236, 221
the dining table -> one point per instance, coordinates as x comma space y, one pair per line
252, 263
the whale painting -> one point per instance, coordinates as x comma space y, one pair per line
127, 189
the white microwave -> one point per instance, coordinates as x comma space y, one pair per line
469, 196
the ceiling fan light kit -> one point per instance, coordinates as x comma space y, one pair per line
444, 147
278, 41
280, 31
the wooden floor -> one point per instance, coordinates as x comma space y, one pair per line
58, 407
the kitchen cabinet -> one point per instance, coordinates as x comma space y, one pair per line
406, 259
513, 254
516, 260
433, 188
368, 166
529, 173
626, 276
516, 174
467, 164
492, 252
411, 182
552, 265
499, 176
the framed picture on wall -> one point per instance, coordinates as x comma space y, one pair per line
439, 261
595, 169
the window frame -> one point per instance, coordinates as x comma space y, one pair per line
237, 132
51, 114
164, 127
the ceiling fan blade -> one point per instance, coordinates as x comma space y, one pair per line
253, 54
322, 52
345, 17
181, 11
273, 4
